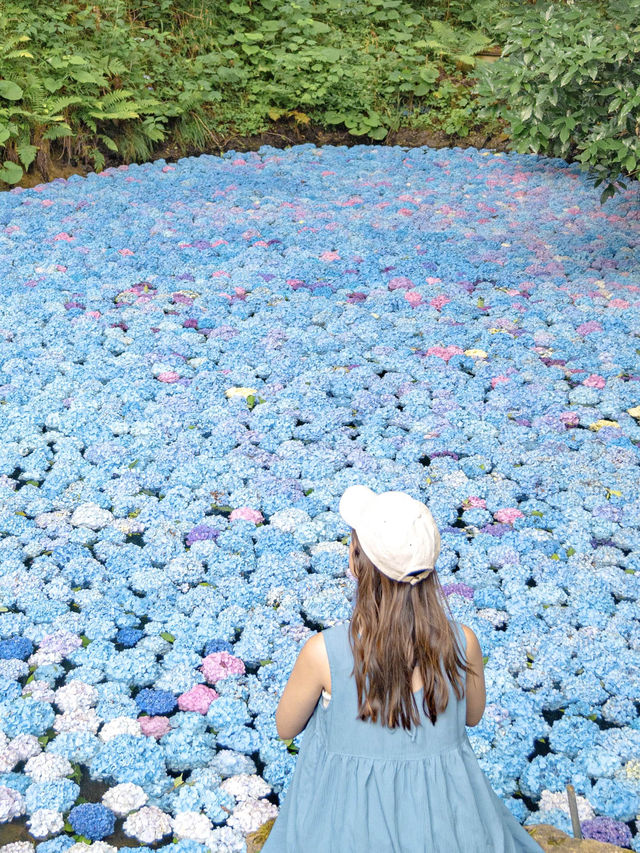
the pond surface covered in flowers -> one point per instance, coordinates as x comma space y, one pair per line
196, 360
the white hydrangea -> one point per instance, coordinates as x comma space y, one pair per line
560, 800
120, 726
192, 825
80, 720
48, 766
91, 515
44, 822
26, 746
54, 519
4, 740
245, 785
43, 658
226, 840
148, 825
96, 847
9, 757
18, 847
40, 691
75, 695
12, 805
250, 814
124, 798
495, 617
129, 526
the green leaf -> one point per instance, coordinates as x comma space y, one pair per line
133, 464
52, 84
570, 551
112, 146
27, 154
378, 132
10, 172
10, 90
167, 636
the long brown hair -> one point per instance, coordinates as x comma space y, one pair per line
401, 626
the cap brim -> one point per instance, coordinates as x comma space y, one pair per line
353, 504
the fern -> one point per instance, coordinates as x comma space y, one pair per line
60, 104
57, 131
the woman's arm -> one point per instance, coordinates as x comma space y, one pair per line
302, 690
476, 690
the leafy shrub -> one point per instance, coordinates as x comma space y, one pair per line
84, 80
569, 85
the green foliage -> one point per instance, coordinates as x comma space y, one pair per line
569, 85
121, 78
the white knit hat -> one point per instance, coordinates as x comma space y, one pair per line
396, 532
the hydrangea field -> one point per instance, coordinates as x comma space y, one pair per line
196, 360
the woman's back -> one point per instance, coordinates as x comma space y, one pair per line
344, 733
361, 787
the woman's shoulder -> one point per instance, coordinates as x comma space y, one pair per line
473, 646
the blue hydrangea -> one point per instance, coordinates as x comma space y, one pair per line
17, 781
217, 645
16, 647
59, 795
615, 798
156, 702
92, 820
78, 747
127, 758
55, 845
185, 750
128, 637
28, 716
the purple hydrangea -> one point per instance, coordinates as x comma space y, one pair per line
201, 532
607, 829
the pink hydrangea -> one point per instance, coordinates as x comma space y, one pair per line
445, 352
220, 665
498, 379
248, 514
439, 302
329, 256
154, 726
587, 328
197, 699
595, 381
508, 516
570, 418
168, 376
474, 502
413, 298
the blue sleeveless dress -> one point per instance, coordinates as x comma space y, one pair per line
360, 787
